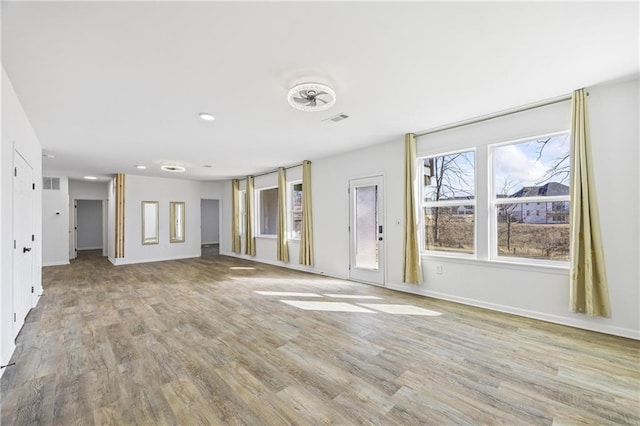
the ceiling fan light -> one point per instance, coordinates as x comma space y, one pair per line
311, 97
173, 168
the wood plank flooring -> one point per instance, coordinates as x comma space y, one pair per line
191, 342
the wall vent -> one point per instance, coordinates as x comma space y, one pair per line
336, 118
52, 183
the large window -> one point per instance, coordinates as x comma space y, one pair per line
268, 211
295, 216
448, 202
530, 201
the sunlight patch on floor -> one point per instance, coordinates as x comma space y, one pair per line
352, 296
327, 306
400, 309
287, 293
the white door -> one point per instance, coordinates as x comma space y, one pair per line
23, 236
366, 226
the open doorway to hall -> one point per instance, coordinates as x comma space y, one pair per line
89, 227
210, 227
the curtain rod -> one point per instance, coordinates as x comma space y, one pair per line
496, 115
276, 170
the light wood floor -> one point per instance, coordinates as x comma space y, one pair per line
192, 342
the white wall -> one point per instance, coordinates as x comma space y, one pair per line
210, 216
532, 291
55, 223
89, 224
17, 134
163, 190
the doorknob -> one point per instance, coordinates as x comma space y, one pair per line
26, 249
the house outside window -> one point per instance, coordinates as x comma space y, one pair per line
530, 200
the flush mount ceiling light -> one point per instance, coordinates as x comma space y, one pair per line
90, 177
173, 168
206, 116
141, 167
311, 97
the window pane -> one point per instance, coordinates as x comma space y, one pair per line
449, 177
450, 228
366, 224
538, 167
242, 210
534, 231
268, 211
296, 210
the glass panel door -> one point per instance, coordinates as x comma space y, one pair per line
366, 230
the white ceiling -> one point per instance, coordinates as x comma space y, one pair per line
111, 85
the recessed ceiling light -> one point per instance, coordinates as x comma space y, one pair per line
141, 167
90, 177
173, 168
206, 116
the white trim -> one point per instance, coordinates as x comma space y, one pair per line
89, 248
531, 200
60, 263
122, 261
555, 319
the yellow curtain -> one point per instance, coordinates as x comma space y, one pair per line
306, 234
283, 249
119, 216
250, 242
412, 272
236, 245
588, 282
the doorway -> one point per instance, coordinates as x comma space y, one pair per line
366, 230
88, 226
210, 227
23, 241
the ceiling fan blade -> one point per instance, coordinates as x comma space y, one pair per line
300, 100
312, 102
321, 93
322, 100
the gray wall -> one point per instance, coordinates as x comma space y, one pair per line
89, 222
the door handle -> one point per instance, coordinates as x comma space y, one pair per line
379, 238
26, 249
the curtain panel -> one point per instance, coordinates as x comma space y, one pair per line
412, 269
283, 249
589, 292
306, 235
236, 245
250, 241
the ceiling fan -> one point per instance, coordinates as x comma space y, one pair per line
311, 97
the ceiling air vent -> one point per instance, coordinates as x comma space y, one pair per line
336, 118
52, 183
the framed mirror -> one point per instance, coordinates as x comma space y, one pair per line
150, 232
176, 222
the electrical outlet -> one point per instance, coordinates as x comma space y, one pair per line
439, 269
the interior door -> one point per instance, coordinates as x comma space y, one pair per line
366, 230
23, 236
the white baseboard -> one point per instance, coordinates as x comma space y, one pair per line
212, 242
124, 261
89, 248
62, 262
295, 266
556, 319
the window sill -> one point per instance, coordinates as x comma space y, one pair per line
561, 269
267, 237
